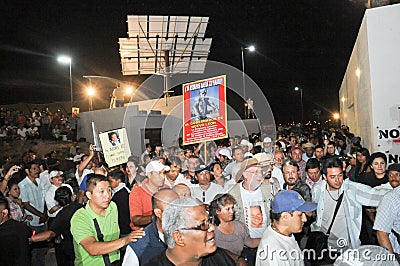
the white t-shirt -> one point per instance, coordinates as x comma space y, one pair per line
80, 178
45, 178
277, 173
339, 228
255, 215
208, 195
276, 249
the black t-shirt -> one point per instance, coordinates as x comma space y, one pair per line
14, 243
371, 180
62, 223
121, 199
219, 258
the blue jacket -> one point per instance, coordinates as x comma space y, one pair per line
149, 246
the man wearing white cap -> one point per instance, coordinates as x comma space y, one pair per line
53, 206
246, 145
140, 208
267, 145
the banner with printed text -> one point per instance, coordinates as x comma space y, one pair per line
115, 146
204, 110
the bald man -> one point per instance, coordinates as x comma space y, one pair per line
153, 242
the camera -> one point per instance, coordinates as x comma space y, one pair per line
17, 169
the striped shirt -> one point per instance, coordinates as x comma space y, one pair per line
388, 217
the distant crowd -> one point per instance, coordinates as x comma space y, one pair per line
244, 200
40, 124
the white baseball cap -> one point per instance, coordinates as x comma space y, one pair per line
54, 173
226, 152
245, 142
156, 166
267, 139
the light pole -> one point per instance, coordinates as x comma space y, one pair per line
251, 48
67, 60
301, 101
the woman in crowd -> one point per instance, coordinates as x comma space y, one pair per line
17, 210
362, 163
218, 178
230, 235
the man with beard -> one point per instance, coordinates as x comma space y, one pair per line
292, 181
279, 158
296, 153
250, 193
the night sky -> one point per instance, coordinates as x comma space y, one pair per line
305, 43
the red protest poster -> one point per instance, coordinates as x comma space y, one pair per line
204, 110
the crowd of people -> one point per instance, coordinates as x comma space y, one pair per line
40, 124
237, 201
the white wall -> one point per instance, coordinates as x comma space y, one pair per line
376, 93
170, 122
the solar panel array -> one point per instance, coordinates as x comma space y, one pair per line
156, 42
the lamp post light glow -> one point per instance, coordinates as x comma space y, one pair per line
90, 92
336, 116
67, 60
301, 101
251, 48
128, 91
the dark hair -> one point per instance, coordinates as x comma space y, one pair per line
117, 175
234, 149
312, 163
333, 162
257, 149
220, 201
377, 155
318, 147
275, 216
279, 144
29, 164
134, 160
63, 196
4, 205
290, 162
93, 179
364, 152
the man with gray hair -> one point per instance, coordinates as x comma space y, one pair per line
189, 236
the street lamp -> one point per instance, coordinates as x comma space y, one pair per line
301, 101
67, 60
90, 92
251, 48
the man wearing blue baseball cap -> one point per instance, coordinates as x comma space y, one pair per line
278, 245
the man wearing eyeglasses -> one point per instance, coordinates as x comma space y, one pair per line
140, 208
250, 193
189, 236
